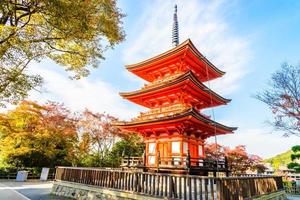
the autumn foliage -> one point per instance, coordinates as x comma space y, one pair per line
34, 135
239, 160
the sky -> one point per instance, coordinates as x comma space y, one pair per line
249, 40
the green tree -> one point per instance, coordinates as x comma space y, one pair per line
283, 98
73, 33
295, 157
131, 146
34, 135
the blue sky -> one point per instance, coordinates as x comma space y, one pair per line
247, 39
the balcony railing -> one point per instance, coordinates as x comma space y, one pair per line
176, 162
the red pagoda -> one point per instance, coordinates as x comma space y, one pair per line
174, 129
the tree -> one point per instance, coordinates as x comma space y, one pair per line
34, 135
74, 34
256, 164
131, 146
214, 151
239, 161
101, 132
283, 98
295, 158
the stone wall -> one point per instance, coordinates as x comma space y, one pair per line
85, 192
279, 195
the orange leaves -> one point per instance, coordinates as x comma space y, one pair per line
50, 135
239, 160
99, 128
31, 129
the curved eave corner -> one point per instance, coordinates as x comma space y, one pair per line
147, 61
188, 43
197, 53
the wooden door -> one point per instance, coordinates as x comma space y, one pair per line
163, 148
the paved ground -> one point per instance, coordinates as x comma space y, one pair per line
294, 197
31, 190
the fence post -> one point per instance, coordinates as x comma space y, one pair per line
144, 158
226, 166
188, 161
158, 160
219, 191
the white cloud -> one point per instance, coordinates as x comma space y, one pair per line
258, 141
77, 95
201, 21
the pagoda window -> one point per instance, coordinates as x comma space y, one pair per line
185, 147
151, 160
175, 147
152, 147
200, 150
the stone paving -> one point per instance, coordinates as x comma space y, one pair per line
30, 190
293, 197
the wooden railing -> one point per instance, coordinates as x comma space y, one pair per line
172, 186
292, 189
192, 162
247, 187
31, 175
132, 162
183, 162
162, 112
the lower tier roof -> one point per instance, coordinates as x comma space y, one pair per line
187, 122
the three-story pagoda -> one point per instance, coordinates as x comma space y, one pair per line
174, 128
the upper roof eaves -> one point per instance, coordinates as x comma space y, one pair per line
186, 44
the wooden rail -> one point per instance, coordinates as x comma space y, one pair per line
186, 163
292, 189
13, 175
172, 186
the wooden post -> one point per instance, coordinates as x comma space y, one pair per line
158, 160
144, 158
226, 166
188, 161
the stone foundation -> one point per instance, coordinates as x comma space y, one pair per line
85, 192
279, 195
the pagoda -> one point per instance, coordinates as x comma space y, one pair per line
174, 128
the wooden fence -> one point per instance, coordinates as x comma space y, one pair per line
292, 189
31, 175
172, 186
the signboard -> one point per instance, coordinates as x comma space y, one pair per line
22, 176
44, 174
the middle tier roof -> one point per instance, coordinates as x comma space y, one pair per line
184, 88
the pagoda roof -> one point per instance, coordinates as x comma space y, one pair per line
196, 92
205, 127
185, 50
